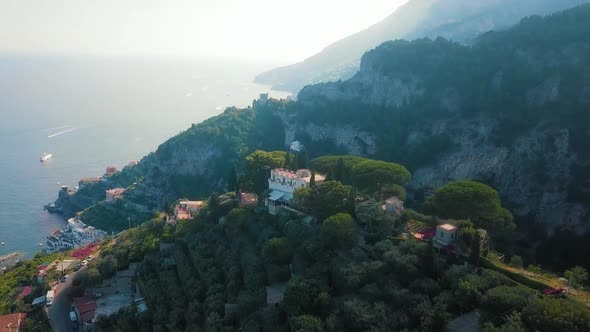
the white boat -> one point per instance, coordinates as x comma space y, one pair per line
46, 156
1, 243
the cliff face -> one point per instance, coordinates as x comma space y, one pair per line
512, 108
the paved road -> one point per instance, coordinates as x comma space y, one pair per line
59, 311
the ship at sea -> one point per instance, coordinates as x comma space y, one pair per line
46, 156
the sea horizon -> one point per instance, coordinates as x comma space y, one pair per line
94, 112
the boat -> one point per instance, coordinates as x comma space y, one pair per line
2, 243
46, 156
40, 244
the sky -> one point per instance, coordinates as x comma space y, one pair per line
282, 31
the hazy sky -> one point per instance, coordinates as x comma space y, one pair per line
277, 30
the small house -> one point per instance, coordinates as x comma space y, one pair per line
110, 170
446, 237
394, 206
247, 199
85, 308
113, 195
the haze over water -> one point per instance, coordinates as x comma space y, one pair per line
91, 113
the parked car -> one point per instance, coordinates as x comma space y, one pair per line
65, 278
77, 267
84, 262
89, 258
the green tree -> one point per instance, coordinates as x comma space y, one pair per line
534, 268
436, 319
312, 180
306, 323
502, 298
287, 163
302, 198
302, 159
370, 215
258, 166
277, 250
394, 190
339, 170
576, 276
232, 179
237, 218
107, 266
471, 200
556, 315
516, 262
328, 199
339, 231
373, 175
305, 295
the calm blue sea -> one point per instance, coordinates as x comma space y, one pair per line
91, 113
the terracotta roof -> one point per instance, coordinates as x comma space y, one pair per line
86, 306
14, 321
448, 227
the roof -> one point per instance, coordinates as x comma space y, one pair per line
12, 320
192, 203
26, 291
393, 200
248, 197
448, 227
86, 306
38, 300
275, 195
275, 293
116, 191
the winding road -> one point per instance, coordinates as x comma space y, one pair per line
59, 311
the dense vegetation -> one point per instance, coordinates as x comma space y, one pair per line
349, 270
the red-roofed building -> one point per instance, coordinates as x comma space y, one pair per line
113, 195
111, 170
12, 322
26, 291
85, 308
248, 199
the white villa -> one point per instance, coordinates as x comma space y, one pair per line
282, 183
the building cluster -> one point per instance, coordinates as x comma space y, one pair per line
283, 183
75, 234
184, 210
113, 195
111, 296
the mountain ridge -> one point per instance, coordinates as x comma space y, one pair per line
415, 19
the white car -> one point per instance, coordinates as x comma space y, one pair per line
65, 278
84, 262
89, 258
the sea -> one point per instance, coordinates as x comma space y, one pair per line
93, 112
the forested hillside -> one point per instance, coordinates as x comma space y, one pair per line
509, 111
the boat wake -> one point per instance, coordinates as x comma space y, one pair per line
62, 132
56, 128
